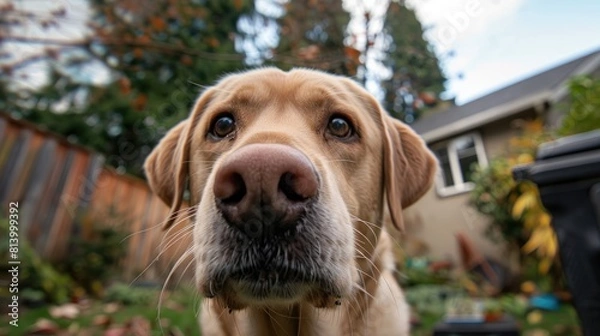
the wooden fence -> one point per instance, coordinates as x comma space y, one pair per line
62, 188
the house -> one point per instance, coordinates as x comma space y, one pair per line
474, 133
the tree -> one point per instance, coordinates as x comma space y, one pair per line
416, 79
159, 55
290, 34
381, 44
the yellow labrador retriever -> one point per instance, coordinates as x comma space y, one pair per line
287, 173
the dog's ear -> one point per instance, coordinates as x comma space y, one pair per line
160, 164
409, 168
167, 166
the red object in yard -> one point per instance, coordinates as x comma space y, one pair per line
471, 258
437, 266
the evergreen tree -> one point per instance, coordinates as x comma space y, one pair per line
416, 78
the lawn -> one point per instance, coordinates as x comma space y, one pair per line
556, 323
178, 316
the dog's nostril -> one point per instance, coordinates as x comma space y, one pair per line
288, 186
236, 189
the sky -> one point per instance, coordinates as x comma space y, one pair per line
499, 42
494, 42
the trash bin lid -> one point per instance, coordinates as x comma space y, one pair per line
569, 145
570, 159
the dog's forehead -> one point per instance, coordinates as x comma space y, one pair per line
301, 87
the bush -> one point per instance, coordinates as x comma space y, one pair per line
39, 280
584, 112
94, 256
515, 207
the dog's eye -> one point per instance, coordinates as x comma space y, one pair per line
222, 126
339, 127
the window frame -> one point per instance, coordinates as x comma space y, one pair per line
459, 186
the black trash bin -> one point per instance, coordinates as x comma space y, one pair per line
567, 173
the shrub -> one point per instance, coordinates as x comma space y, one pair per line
515, 207
94, 256
39, 280
584, 112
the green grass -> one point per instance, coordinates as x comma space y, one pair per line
563, 322
179, 310
181, 307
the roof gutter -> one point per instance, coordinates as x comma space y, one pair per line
487, 116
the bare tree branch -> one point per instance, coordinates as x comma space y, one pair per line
157, 46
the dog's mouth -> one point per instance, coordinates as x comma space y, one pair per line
264, 284
281, 272
272, 275
280, 279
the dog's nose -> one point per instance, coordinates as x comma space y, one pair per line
263, 189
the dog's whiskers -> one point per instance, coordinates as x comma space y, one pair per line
162, 291
180, 235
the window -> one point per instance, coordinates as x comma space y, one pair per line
458, 158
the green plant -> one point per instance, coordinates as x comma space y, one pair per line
491, 197
128, 295
514, 304
431, 299
94, 256
584, 111
514, 207
38, 279
416, 271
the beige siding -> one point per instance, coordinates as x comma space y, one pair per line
436, 220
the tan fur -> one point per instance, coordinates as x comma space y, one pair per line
293, 108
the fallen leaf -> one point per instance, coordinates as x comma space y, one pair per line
102, 320
174, 331
139, 326
43, 327
534, 317
111, 307
120, 331
67, 311
537, 332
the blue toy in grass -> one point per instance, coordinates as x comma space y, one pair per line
544, 301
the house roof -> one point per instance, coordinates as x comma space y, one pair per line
547, 86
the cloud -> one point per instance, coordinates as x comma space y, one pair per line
454, 21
